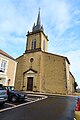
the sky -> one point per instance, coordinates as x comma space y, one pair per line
61, 22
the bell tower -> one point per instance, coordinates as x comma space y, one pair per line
37, 40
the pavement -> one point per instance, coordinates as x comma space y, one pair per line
34, 97
52, 108
31, 98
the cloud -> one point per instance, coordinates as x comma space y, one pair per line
74, 57
57, 15
12, 20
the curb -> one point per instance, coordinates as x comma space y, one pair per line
39, 93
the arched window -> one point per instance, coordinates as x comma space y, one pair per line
33, 44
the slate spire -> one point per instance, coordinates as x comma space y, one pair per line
38, 26
38, 19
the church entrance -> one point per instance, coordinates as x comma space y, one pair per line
30, 83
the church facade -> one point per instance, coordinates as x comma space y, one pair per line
41, 71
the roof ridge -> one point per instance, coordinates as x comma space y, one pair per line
5, 54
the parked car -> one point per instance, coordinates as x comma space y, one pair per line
14, 95
3, 95
77, 109
78, 104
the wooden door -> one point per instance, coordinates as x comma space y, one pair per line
30, 83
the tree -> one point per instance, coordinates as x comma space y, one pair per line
75, 85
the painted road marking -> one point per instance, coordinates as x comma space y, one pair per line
16, 106
10, 104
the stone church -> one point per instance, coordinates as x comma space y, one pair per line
41, 71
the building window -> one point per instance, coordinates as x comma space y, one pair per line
3, 65
33, 44
31, 60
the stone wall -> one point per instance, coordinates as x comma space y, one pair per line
50, 76
53, 78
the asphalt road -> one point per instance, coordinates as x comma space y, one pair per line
52, 108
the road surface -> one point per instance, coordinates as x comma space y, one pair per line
51, 108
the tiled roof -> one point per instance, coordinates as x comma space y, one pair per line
5, 54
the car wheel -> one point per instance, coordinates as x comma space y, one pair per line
1, 104
13, 98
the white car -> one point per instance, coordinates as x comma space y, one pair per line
3, 95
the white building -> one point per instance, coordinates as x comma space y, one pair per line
7, 69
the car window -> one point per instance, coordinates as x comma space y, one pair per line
10, 88
2, 88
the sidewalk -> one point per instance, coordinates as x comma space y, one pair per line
77, 115
41, 93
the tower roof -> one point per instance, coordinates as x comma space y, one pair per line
38, 26
38, 18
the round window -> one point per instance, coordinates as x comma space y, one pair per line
31, 60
